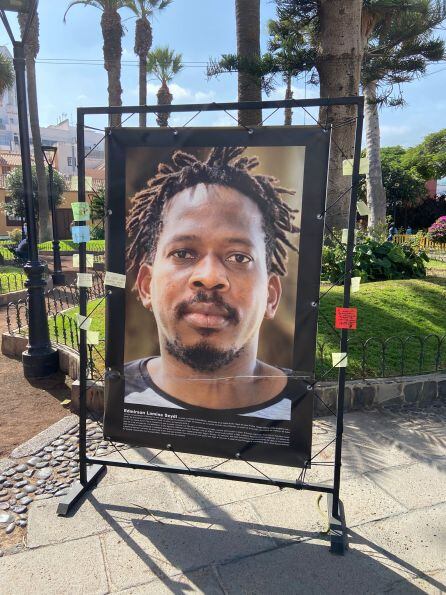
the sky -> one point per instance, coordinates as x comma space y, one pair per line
70, 73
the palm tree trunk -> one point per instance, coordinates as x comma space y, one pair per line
31, 51
164, 97
143, 43
247, 13
339, 64
143, 88
288, 95
376, 194
112, 33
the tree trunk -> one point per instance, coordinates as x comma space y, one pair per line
112, 33
339, 60
288, 95
31, 51
143, 43
164, 97
143, 89
247, 14
376, 194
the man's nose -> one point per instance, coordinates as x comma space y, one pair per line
209, 273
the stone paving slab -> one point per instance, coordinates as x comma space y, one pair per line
70, 568
160, 533
123, 505
168, 545
200, 581
418, 537
415, 486
297, 515
309, 568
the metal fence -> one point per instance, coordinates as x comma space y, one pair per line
373, 357
57, 300
383, 357
10, 282
423, 242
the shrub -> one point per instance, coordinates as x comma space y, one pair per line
15, 235
375, 261
437, 231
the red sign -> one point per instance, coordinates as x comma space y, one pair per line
346, 318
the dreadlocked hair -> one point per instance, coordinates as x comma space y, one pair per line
226, 167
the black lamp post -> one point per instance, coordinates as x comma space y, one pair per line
40, 358
49, 153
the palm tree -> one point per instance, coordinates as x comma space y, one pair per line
31, 51
112, 32
7, 76
164, 64
247, 15
397, 52
144, 10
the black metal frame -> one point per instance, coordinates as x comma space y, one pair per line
92, 468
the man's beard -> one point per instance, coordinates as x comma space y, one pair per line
202, 356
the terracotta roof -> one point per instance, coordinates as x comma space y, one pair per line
95, 174
11, 159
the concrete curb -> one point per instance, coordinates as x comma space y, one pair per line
12, 296
35, 444
6, 464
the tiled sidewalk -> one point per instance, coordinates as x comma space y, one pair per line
144, 532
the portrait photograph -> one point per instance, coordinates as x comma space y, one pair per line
212, 247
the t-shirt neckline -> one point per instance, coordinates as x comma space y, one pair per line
151, 384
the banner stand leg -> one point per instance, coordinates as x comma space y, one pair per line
338, 529
94, 473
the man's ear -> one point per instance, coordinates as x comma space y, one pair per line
274, 294
143, 281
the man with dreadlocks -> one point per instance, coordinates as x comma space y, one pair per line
207, 242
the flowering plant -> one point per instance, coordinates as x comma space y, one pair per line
437, 231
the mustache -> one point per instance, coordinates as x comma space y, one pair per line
201, 297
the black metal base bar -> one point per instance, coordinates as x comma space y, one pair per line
78, 489
280, 483
338, 530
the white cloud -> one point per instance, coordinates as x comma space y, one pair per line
298, 92
204, 97
394, 130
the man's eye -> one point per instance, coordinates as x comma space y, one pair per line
182, 254
239, 258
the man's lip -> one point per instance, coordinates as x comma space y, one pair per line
203, 320
206, 310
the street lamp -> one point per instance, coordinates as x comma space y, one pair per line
49, 153
40, 358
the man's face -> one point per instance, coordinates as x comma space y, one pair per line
208, 286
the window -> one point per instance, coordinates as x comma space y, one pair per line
70, 161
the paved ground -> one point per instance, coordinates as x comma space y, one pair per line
144, 532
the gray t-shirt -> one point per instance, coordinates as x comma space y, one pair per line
141, 390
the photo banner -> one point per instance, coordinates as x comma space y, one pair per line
210, 345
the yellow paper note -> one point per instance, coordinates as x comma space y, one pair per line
347, 166
83, 322
92, 337
114, 279
355, 282
84, 280
363, 209
339, 360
